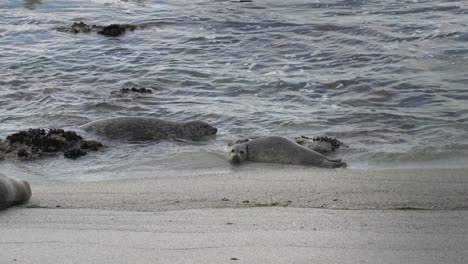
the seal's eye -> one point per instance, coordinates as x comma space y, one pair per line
242, 152
232, 151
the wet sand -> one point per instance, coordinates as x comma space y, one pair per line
286, 215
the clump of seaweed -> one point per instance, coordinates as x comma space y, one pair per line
322, 144
136, 90
112, 30
91, 145
35, 142
46, 141
334, 142
80, 27
74, 153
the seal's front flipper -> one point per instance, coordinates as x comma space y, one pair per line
337, 163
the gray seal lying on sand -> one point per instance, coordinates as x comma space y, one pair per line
276, 149
322, 144
145, 128
13, 191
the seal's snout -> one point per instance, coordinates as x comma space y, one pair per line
215, 130
235, 159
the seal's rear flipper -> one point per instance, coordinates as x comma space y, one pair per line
342, 164
336, 163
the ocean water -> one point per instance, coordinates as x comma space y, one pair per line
388, 78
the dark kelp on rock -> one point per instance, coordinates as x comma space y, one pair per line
112, 30
322, 144
37, 142
115, 30
136, 90
78, 28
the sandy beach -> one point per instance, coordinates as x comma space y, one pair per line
121, 114
285, 215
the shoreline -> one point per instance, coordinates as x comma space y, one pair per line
443, 189
259, 216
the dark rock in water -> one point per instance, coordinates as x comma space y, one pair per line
335, 143
71, 136
114, 30
80, 28
39, 140
74, 153
23, 153
91, 145
6, 150
322, 144
34, 143
136, 90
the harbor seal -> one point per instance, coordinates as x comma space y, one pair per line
145, 128
276, 149
13, 192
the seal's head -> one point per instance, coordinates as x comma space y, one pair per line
238, 153
200, 129
23, 192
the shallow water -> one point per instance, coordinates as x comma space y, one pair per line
386, 77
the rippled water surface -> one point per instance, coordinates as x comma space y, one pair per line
389, 78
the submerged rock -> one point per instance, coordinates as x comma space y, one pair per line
74, 153
80, 28
91, 145
136, 90
112, 30
37, 142
115, 30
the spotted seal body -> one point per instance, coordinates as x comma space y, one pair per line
144, 128
13, 192
280, 150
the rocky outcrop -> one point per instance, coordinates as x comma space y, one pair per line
112, 30
37, 142
322, 144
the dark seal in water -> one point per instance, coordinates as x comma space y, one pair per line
145, 128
